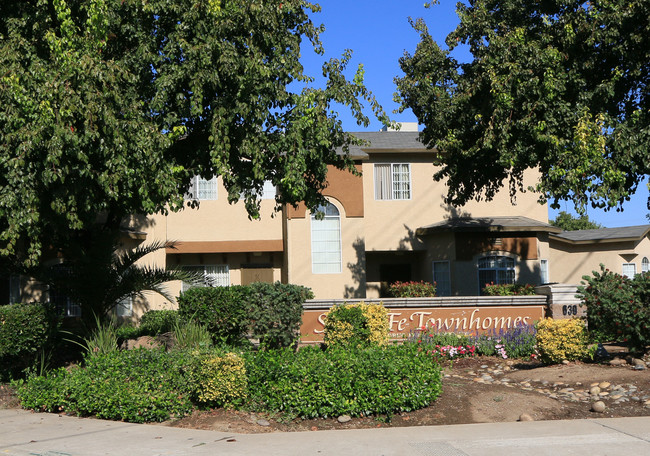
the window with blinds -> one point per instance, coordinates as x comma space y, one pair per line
326, 241
392, 181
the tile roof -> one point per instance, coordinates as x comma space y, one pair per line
482, 224
625, 233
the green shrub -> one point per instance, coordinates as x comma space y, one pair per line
133, 385
219, 380
558, 340
222, 310
356, 325
155, 322
618, 308
25, 331
275, 312
509, 289
315, 383
412, 290
125, 331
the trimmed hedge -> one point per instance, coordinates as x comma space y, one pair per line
357, 382
25, 330
271, 313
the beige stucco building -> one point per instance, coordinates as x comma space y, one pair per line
387, 224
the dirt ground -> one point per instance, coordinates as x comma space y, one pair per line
474, 390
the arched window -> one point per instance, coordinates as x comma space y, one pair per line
495, 269
645, 265
326, 241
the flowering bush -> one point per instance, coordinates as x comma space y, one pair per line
451, 352
508, 289
412, 289
618, 308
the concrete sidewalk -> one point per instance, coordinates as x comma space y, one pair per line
26, 433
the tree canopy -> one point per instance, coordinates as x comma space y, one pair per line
552, 84
108, 108
569, 222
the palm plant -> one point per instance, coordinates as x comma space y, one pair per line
100, 279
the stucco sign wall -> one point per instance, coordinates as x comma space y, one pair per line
481, 320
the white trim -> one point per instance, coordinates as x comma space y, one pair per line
627, 274
543, 279
508, 255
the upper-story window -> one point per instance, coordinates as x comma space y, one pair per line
495, 269
326, 241
392, 181
645, 265
203, 189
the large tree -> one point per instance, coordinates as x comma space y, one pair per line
108, 108
569, 222
552, 84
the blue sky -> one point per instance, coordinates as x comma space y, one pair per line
378, 32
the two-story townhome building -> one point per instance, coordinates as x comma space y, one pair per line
388, 224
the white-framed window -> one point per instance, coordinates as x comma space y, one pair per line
442, 278
645, 265
214, 275
543, 271
124, 308
268, 191
629, 270
392, 181
495, 269
326, 241
203, 189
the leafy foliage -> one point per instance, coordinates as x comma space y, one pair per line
412, 289
275, 313
219, 380
111, 107
25, 331
509, 289
558, 340
356, 325
568, 222
618, 308
555, 85
315, 383
154, 322
191, 335
222, 310
134, 385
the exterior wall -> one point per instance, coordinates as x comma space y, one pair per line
350, 282
390, 224
569, 262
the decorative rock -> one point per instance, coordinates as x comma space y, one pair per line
617, 362
640, 367
598, 407
604, 385
595, 390
525, 417
638, 362
344, 418
263, 423
484, 366
565, 362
